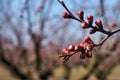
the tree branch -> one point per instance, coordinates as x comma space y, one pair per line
108, 35
73, 17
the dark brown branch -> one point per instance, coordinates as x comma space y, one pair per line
117, 30
102, 8
34, 36
63, 4
102, 30
96, 45
73, 17
108, 35
38, 56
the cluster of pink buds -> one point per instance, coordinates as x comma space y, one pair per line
87, 46
85, 24
84, 48
89, 23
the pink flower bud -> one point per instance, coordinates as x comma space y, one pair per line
84, 25
86, 39
98, 22
80, 13
71, 47
90, 18
66, 15
65, 51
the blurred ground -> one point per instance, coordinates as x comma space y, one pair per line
5, 74
76, 71
59, 72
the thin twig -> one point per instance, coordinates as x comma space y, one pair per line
105, 32
108, 35
102, 41
67, 55
117, 30
73, 17
63, 4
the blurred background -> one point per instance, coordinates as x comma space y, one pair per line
33, 32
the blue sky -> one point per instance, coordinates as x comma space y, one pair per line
17, 5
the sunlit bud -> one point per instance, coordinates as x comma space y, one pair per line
81, 14
78, 48
89, 47
66, 15
84, 25
71, 48
98, 22
65, 51
86, 39
90, 19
